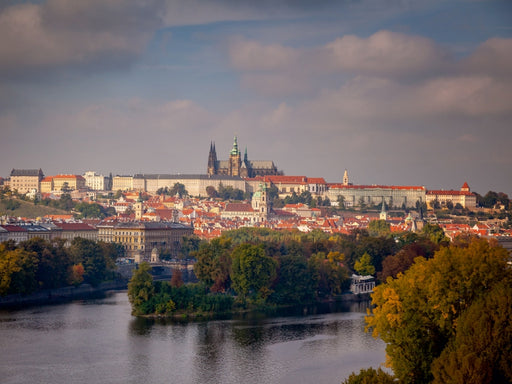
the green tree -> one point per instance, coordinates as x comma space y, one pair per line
90, 210
416, 314
294, 284
214, 263
379, 228
435, 233
252, 270
364, 265
90, 254
141, 290
178, 189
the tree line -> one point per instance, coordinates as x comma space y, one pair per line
446, 319
263, 267
37, 264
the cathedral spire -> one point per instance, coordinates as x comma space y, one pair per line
234, 150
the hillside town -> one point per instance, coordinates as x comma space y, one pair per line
150, 213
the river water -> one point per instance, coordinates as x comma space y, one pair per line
98, 341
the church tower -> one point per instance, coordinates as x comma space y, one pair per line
212, 160
138, 207
345, 178
260, 203
235, 160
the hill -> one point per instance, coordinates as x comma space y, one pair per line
28, 209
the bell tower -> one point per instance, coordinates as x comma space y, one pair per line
235, 160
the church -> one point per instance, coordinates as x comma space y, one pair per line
236, 166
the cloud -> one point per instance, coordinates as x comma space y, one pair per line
253, 56
493, 57
59, 33
386, 53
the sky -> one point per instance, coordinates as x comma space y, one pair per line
398, 92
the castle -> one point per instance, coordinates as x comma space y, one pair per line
236, 166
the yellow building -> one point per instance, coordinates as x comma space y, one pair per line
464, 197
57, 183
141, 238
122, 183
25, 180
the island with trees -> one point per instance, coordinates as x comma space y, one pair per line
259, 268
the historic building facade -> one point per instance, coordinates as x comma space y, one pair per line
464, 197
25, 180
236, 166
140, 238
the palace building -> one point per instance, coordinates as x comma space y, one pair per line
236, 166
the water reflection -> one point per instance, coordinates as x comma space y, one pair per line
98, 341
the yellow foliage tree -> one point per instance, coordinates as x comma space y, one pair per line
416, 314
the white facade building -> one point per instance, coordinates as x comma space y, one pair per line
96, 182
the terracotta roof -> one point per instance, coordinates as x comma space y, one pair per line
238, 207
399, 187
450, 193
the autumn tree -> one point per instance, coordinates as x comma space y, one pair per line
329, 275
364, 266
417, 313
370, 376
481, 351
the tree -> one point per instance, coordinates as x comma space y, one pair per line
178, 189
370, 376
141, 290
176, 278
416, 314
213, 263
92, 210
252, 270
90, 254
211, 192
379, 228
18, 269
329, 275
76, 274
481, 350
294, 284
364, 265
435, 233
65, 187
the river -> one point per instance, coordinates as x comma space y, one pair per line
98, 341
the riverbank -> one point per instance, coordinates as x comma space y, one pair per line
61, 295
334, 304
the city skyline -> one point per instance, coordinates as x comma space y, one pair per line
397, 92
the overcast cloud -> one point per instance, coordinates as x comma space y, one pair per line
388, 90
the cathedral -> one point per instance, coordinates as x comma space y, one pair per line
236, 166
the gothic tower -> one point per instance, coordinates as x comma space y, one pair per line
235, 160
212, 160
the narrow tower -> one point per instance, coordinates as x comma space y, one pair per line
235, 160
212, 160
345, 178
